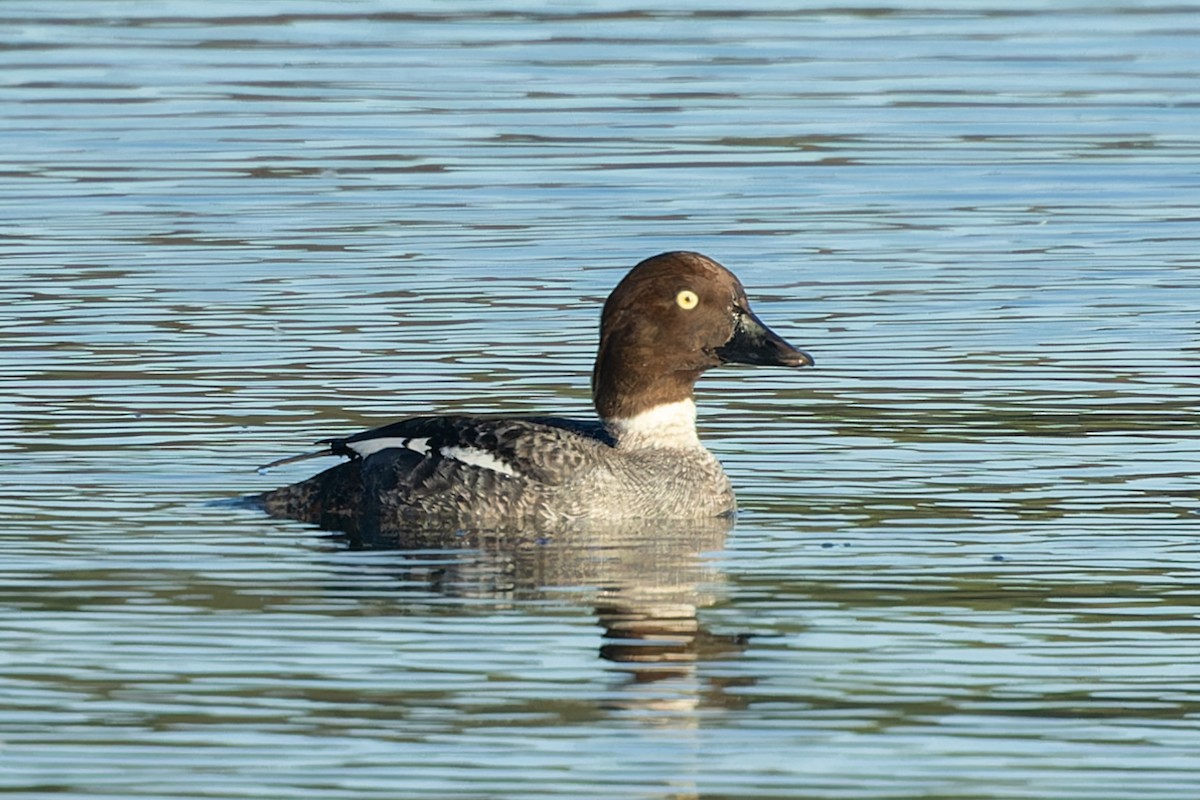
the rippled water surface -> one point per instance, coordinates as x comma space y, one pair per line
966, 565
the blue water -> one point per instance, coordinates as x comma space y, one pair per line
966, 561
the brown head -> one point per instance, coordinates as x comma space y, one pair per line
672, 317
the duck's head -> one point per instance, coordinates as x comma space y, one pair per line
672, 317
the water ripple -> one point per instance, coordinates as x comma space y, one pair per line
966, 561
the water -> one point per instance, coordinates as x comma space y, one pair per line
966, 564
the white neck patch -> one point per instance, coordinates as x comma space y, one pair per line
670, 425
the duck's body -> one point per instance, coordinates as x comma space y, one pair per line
486, 472
673, 316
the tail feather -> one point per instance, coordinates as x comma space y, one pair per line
265, 468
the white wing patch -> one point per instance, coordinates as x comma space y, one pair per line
478, 458
418, 445
366, 447
471, 456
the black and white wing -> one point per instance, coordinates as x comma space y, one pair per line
541, 449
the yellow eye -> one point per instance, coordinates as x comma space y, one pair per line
687, 299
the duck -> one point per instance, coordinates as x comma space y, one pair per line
670, 319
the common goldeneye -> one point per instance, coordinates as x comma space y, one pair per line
672, 317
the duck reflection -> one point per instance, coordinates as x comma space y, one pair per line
645, 580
